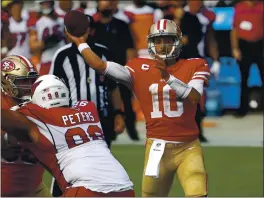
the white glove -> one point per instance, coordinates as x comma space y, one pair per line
215, 69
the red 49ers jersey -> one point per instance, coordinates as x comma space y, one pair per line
66, 146
167, 118
20, 172
6, 101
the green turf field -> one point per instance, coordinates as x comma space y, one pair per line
232, 171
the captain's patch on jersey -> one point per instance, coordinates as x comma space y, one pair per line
145, 67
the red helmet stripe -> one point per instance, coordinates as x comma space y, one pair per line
158, 25
164, 24
34, 86
28, 63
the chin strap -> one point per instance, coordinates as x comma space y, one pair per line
26, 98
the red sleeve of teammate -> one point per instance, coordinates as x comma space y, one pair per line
6, 101
27, 110
202, 71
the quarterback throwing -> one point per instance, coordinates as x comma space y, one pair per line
168, 90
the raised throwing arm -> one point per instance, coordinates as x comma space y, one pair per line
108, 68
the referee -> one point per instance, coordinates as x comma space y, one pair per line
85, 84
115, 34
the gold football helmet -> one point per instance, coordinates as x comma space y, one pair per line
21, 74
165, 28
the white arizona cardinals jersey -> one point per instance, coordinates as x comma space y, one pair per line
46, 27
71, 145
19, 31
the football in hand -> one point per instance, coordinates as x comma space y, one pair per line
76, 23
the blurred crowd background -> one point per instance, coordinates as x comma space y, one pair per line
228, 33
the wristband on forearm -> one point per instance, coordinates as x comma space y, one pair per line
83, 46
182, 90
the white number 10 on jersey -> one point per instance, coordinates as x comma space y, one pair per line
156, 113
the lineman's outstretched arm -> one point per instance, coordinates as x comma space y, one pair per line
17, 124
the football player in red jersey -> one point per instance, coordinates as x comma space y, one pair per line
68, 141
168, 90
21, 174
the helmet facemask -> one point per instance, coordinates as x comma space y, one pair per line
22, 85
164, 39
167, 46
21, 74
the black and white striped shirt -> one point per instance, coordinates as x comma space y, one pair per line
83, 82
